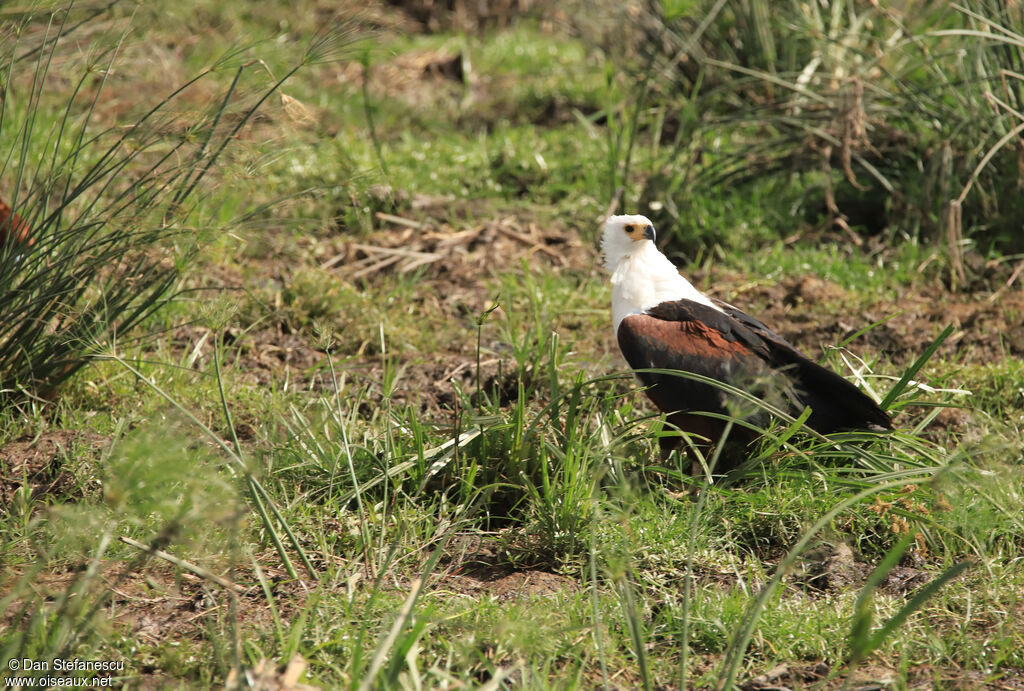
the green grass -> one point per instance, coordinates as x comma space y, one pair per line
413, 490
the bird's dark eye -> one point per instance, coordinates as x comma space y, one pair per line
628, 229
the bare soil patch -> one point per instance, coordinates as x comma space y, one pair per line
874, 677
477, 566
37, 464
154, 602
455, 260
837, 569
514, 586
811, 313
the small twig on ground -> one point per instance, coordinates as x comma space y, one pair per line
1014, 275
181, 563
391, 218
528, 241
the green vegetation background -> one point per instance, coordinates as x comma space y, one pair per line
307, 374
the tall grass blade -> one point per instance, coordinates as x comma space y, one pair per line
912, 371
860, 630
636, 635
595, 606
915, 603
386, 644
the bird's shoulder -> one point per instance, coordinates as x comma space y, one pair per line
752, 323
717, 315
726, 321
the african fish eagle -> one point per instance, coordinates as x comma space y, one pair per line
662, 322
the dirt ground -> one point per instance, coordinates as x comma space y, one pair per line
39, 464
807, 311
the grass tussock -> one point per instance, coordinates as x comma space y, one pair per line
869, 119
100, 219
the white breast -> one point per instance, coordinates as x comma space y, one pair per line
645, 278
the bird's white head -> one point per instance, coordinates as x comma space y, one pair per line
623, 235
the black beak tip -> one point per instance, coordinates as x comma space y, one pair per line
649, 233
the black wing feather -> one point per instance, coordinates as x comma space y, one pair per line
733, 347
836, 403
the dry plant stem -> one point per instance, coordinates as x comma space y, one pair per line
181, 563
